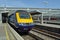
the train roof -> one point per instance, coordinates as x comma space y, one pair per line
21, 11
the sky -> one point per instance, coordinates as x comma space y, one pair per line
31, 3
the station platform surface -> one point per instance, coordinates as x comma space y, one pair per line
5, 33
2, 32
53, 21
48, 25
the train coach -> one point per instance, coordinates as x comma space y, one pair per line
22, 20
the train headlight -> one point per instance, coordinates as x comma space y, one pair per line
21, 24
26, 24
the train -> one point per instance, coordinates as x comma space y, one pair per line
22, 20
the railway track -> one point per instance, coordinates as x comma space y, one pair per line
47, 33
28, 37
31, 36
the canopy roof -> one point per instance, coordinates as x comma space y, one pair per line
35, 13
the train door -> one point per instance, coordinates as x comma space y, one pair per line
4, 17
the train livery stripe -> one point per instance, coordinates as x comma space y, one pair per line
17, 17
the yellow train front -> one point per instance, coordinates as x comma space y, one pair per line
22, 20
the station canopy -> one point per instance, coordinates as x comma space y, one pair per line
45, 11
35, 13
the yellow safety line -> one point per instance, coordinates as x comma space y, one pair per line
7, 36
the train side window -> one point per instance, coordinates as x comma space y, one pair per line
12, 18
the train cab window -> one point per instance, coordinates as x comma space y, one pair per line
24, 15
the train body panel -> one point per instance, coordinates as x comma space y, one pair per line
22, 21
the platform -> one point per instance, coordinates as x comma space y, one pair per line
49, 25
2, 32
7, 33
53, 21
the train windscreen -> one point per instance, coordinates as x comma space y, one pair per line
24, 15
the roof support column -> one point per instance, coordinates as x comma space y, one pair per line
42, 18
